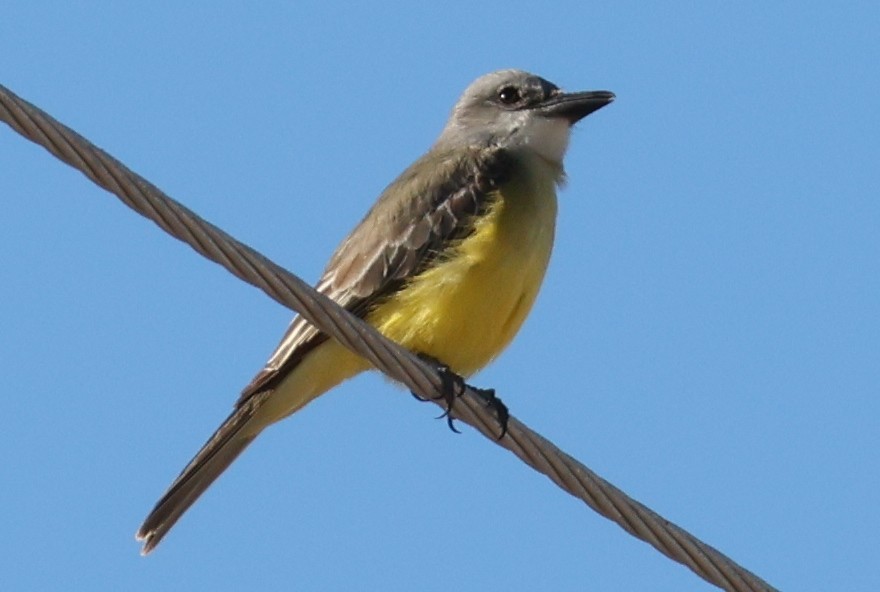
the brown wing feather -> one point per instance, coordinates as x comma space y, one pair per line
395, 241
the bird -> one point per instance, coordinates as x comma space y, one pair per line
447, 263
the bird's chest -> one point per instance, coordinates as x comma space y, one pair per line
467, 308
509, 250
508, 255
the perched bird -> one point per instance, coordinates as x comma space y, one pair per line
447, 263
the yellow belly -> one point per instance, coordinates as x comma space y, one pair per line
466, 310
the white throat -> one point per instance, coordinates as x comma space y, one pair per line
548, 137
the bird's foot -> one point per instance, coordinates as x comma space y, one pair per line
495, 404
454, 386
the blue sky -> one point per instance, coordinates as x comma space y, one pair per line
706, 338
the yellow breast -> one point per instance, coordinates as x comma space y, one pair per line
466, 309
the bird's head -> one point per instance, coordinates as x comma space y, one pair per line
512, 108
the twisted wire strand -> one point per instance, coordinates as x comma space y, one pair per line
396, 362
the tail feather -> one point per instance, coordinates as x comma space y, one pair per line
215, 456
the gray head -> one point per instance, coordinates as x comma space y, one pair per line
515, 108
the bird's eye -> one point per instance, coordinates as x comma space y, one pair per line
509, 95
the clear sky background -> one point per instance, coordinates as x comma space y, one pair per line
708, 336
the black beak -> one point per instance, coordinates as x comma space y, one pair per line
575, 106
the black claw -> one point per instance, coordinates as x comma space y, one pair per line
453, 386
418, 397
449, 422
495, 404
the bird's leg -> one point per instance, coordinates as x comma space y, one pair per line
454, 386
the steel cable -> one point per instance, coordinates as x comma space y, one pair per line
388, 357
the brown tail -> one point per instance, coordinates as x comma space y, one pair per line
215, 456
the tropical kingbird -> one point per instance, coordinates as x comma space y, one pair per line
447, 263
